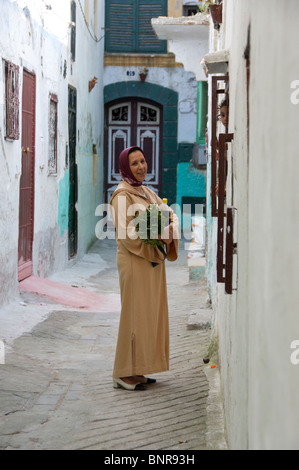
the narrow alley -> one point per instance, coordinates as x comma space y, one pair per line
56, 387
188, 104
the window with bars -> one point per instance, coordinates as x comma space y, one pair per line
129, 29
12, 101
73, 30
53, 119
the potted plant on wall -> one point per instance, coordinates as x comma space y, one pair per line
143, 74
216, 12
215, 9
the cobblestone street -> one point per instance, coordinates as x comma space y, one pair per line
56, 387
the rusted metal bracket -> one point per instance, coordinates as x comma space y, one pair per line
222, 177
231, 249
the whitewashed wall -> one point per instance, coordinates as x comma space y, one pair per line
259, 322
39, 40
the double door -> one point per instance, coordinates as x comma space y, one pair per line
128, 123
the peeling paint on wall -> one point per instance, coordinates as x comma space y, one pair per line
63, 203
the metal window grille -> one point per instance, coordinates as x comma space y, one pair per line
12, 102
53, 119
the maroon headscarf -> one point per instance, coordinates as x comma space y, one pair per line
124, 166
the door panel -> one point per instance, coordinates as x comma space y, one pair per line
26, 205
148, 140
119, 139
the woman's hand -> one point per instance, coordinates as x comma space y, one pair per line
167, 235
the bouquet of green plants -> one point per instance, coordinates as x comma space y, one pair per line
151, 224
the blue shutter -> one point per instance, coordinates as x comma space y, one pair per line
147, 39
120, 31
128, 26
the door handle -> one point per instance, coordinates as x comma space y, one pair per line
27, 150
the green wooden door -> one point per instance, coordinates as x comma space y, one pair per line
73, 193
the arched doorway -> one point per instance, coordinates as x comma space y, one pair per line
146, 115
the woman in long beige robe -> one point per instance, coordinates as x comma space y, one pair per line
143, 338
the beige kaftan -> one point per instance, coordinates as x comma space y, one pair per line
143, 337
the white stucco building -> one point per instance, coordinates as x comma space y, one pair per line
51, 142
257, 323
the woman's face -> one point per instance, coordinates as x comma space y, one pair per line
224, 115
138, 165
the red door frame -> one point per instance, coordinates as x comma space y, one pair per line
26, 203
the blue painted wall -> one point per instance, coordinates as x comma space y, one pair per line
191, 183
63, 203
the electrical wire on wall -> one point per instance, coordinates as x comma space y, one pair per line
92, 35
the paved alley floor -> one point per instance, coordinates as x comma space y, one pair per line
56, 388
